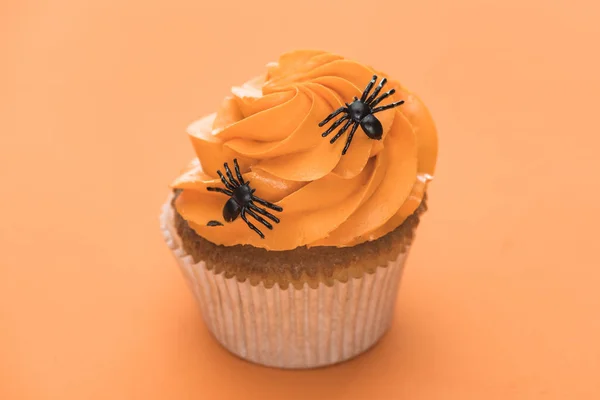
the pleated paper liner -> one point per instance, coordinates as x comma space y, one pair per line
292, 327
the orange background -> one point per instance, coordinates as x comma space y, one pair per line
501, 296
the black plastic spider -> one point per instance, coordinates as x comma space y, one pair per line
360, 112
242, 200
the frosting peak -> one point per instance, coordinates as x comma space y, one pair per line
270, 124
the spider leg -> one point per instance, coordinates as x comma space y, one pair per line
237, 171
368, 88
259, 218
263, 212
382, 97
349, 140
383, 108
335, 125
341, 131
376, 91
227, 184
266, 203
216, 189
231, 178
250, 225
332, 116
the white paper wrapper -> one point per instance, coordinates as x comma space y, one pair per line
291, 328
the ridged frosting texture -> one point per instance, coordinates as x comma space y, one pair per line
271, 125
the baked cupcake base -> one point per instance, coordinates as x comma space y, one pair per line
291, 326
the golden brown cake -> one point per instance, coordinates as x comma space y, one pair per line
301, 265
293, 223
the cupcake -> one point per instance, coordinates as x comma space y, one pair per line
293, 223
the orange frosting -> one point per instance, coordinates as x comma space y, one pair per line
270, 124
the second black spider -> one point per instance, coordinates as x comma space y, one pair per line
361, 112
242, 200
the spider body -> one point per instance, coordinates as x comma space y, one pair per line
242, 199
242, 196
361, 113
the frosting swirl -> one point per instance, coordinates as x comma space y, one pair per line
271, 125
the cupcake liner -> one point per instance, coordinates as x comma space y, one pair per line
291, 328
